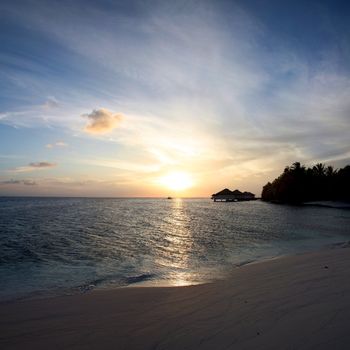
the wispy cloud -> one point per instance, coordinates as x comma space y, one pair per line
50, 103
102, 121
57, 144
33, 166
26, 182
140, 167
42, 165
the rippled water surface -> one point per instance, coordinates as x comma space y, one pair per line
66, 245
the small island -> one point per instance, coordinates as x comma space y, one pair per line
227, 195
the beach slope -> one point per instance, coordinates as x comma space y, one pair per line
296, 302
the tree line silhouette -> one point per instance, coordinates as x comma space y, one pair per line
299, 184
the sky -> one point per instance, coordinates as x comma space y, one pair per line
157, 98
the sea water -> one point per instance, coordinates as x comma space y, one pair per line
53, 246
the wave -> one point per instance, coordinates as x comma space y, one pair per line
115, 281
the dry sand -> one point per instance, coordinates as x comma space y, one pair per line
298, 302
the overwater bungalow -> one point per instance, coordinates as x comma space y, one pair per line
227, 195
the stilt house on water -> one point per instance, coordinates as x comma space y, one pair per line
227, 195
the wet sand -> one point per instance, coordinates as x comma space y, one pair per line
296, 302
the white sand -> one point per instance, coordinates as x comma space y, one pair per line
287, 303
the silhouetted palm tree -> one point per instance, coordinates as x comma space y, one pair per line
298, 184
319, 169
330, 171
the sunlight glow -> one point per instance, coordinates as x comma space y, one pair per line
177, 181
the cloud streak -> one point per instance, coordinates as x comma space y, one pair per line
59, 144
26, 182
33, 167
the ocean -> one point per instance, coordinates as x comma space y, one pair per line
58, 246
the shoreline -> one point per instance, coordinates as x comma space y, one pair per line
159, 283
298, 301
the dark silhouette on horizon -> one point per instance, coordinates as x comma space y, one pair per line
299, 184
227, 195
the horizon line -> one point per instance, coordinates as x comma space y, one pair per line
106, 197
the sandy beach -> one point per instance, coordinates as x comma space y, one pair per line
294, 302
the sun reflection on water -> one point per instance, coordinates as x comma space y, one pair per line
178, 246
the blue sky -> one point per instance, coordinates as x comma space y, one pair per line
112, 98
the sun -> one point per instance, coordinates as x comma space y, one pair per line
177, 181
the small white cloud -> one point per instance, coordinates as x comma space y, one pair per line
102, 121
57, 144
61, 144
